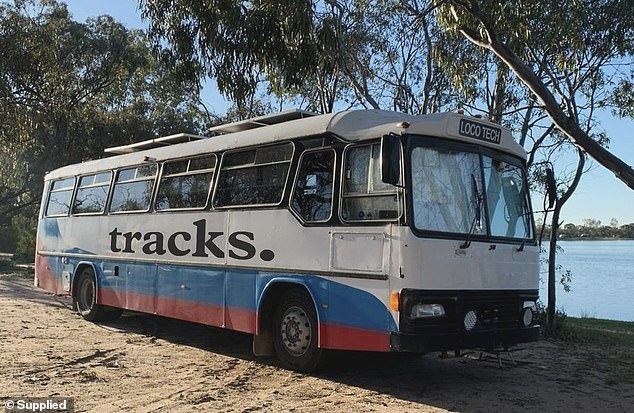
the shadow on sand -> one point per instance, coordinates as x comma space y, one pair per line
464, 384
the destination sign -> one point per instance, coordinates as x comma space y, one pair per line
480, 131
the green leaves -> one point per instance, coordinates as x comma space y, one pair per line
70, 89
235, 42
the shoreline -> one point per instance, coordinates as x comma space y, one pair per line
593, 239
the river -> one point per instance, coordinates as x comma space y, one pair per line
602, 279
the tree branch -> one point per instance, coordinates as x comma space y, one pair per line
567, 125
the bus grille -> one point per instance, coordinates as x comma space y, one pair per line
494, 310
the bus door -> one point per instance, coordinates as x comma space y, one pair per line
368, 207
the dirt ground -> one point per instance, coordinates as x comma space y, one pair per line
143, 363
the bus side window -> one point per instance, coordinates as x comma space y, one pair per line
253, 177
92, 193
312, 196
185, 183
59, 199
365, 197
133, 189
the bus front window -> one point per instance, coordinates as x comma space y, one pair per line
447, 191
507, 200
449, 194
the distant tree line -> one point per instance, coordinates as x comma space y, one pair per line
593, 229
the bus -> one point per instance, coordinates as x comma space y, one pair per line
360, 230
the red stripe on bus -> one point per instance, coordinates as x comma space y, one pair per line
336, 337
241, 320
197, 312
46, 278
339, 337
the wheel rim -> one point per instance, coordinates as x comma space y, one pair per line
86, 296
296, 331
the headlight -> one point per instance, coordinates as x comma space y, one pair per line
427, 311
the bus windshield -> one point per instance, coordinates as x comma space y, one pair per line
464, 192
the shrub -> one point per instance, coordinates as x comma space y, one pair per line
24, 228
560, 321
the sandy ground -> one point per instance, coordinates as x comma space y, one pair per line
143, 363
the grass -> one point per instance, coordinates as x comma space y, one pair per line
598, 331
611, 341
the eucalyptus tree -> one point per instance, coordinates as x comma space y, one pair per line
398, 66
322, 54
621, 100
69, 89
234, 42
369, 54
284, 41
591, 36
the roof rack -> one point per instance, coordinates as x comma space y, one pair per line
154, 143
260, 121
253, 123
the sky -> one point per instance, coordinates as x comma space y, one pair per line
600, 194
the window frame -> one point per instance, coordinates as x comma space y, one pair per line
525, 198
93, 185
52, 191
342, 196
248, 148
210, 190
414, 141
294, 185
114, 184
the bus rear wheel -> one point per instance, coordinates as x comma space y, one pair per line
85, 299
296, 331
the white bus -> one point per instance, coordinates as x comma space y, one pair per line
357, 230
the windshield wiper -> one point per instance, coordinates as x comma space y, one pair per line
477, 223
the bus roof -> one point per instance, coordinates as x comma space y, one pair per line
351, 126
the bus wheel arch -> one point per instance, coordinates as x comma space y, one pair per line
84, 293
288, 312
81, 267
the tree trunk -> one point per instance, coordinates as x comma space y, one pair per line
552, 275
551, 310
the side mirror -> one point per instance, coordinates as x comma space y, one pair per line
390, 159
551, 187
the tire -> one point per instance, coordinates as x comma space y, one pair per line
295, 331
85, 297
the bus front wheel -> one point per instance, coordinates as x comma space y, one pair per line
85, 299
296, 330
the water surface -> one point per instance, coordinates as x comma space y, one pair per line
602, 279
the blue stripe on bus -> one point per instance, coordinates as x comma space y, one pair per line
241, 289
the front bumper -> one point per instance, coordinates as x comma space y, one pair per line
493, 339
474, 319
